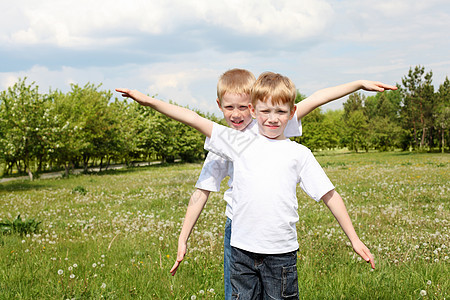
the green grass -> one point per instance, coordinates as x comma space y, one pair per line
114, 235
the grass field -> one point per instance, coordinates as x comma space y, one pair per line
114, 235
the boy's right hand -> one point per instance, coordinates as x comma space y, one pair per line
364, 252
180, 255
135, 95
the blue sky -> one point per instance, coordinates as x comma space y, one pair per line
177, 49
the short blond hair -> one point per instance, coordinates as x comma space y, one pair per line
275, 87
235, 81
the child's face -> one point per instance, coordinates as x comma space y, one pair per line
272, 118
235, 110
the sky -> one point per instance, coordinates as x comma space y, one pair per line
177, 49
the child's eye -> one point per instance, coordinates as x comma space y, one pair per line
243, 107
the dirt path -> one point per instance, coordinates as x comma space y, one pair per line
77, 171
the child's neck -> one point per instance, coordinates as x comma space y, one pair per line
280, 137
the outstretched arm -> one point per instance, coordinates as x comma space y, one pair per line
326, 95
336, 205
175, 112
195, 207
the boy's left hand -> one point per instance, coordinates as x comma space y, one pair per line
364, 252
180, 255
376, 86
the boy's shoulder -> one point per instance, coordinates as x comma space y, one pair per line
297, 145
297, 150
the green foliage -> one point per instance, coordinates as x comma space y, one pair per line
356, 123
299, 97
418, 105
19, 226
21, 111
441, 114
85, 126
321, 130
79, 189
412, 117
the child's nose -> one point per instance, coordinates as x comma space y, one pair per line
236, 113
273, 117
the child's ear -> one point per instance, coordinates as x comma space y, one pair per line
218, 103
293, 110
252, 110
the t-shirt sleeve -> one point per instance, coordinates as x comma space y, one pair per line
215, 169
313, 179
293, 127
228, 143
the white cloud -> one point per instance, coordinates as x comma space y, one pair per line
289, 19
80, 23
385, 21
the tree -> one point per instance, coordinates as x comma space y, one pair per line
441, 114
418, 104
21, 111
312, 130
299, 97
356, 123
158, 135
333, 129
65, 137
83, 126
126, 134
320, 130
383, 117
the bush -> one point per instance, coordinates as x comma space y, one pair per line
19, 226
79, 189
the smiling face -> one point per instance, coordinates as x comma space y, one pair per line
235, 108
273, 103
272, 118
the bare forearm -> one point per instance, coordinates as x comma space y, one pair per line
195, 207
337, 207
175, 112
326, 95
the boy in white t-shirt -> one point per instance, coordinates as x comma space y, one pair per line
272, 119
233, 96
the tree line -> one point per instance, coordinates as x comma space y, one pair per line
414, 117
87, 126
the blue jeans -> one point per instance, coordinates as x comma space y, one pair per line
263, 276
226, 259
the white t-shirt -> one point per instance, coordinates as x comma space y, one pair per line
266, 174
216, 168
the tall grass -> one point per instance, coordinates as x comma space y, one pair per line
114, 235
